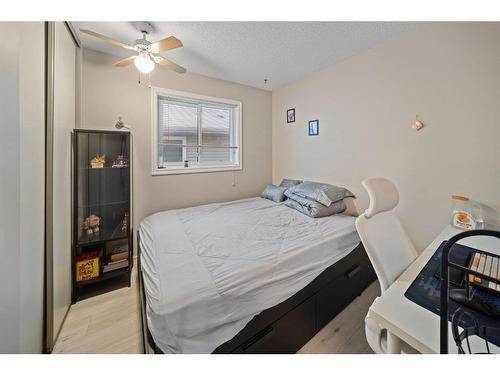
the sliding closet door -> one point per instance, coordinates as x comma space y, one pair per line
61, 112
22, 178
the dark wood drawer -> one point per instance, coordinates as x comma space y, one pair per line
286, 335
341, 291
285, 328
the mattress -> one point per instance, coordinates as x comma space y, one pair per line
209, 270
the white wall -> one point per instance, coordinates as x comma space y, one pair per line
22, 168
109, 92
449, 74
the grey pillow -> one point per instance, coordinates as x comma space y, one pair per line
287, 183
322, 193
274, 193
312, 208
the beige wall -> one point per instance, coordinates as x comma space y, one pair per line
109, 92
448, 74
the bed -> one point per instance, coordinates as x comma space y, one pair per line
248, 276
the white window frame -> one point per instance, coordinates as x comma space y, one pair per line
177, 169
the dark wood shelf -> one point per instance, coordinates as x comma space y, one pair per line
104, 235
103, 168
105, 276
98, 242
117, 203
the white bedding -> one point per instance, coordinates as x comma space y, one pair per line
209, 270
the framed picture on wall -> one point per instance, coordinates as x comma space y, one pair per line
290, 115
313, 127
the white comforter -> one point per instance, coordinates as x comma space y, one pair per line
209, 270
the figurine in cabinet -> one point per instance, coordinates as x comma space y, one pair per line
125, 222
98, 161
121, 161
91, 224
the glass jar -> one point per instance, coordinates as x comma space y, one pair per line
462, 213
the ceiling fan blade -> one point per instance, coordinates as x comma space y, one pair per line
171, 65
125, 62
165, 44
107, 39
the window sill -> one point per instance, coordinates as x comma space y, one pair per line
190, 170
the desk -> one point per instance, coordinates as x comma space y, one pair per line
412, 323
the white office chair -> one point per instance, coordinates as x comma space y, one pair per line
388, 246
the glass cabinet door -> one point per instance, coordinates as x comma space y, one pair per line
103, 187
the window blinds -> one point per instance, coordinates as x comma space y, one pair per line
202, 133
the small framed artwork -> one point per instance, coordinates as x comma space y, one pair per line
313, 127
290, 115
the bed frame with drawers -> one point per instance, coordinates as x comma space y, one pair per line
288, 326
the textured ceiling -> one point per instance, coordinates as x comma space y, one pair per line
249, 52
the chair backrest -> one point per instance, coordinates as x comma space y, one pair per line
388, 246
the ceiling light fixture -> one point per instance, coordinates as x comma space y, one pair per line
147, 53
144, 63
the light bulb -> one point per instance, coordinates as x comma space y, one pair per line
144, 63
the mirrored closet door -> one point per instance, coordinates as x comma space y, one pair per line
62, 46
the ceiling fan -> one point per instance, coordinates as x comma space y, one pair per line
147, 52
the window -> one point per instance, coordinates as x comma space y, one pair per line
194, 133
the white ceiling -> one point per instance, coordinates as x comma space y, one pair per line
249, 52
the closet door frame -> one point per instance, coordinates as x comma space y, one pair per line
50, 55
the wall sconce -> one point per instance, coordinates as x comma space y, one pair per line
417, 125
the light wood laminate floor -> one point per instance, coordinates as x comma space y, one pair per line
111, 323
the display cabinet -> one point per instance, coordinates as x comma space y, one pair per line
102, 210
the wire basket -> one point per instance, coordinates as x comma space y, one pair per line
478, 288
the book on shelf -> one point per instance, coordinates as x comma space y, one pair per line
111, 266
118, 256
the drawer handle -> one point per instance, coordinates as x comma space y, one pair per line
260, 337
353, 272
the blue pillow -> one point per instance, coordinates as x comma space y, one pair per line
274, 193
287, 183
325, 194
312, 208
